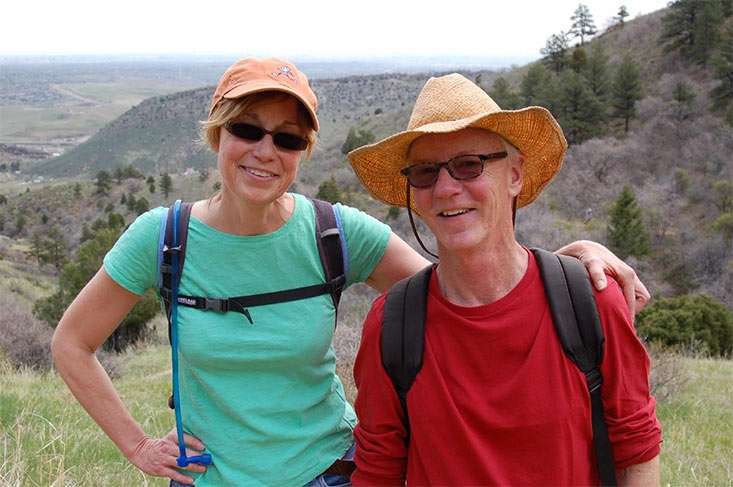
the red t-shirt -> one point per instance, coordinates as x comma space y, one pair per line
497, 402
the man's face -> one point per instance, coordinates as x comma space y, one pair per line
466, 214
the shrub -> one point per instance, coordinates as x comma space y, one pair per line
356, 138
74, 276
694, 318
668, 374
329, 191
25, 341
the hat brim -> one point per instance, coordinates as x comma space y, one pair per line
532, 130
259, 87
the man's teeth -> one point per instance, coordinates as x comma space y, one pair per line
453, 212
258, 172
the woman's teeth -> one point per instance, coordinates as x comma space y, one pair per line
258, 172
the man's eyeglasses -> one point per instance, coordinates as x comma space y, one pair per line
253, 133
462, 167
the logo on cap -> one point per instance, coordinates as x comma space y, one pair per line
284, 71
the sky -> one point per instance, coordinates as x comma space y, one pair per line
511, 29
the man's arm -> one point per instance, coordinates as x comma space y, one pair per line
381, 452
642, 474
629, 408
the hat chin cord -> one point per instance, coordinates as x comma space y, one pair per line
417, 235
412, 222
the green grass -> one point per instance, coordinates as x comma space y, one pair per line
47, 439
698, 427
72, 117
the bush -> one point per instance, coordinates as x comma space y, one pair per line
356, 138
329, 191
24, 341
74, 276
690, 319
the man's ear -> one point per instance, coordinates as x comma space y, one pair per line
516, 175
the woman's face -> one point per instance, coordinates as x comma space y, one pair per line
259, 172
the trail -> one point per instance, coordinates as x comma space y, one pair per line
72, 94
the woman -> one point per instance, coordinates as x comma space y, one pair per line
264, 397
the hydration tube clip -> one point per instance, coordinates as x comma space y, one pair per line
184, 461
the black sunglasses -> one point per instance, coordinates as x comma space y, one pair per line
253, 133
462, 167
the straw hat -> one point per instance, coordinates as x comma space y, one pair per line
451, 103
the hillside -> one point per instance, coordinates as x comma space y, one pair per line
675, 158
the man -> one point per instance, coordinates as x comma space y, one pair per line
496, 401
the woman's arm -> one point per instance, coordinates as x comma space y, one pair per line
600, 261
400, 261
87, 323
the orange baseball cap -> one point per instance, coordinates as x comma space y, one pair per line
252, 75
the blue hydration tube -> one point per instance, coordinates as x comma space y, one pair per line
182, 460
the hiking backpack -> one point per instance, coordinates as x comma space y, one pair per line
574, 314
171, 257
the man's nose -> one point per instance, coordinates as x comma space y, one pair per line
445, 185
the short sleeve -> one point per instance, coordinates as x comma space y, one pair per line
366, 241
133, 260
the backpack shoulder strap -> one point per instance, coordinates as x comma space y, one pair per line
578, 326
403, 333
331, 246
168, 244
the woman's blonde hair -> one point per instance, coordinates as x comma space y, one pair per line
228, 110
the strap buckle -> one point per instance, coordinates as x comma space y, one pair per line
167, 249
594, 379
218, 305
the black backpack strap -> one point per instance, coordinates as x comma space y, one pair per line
578, 326
329, 239
166, 251
403, 333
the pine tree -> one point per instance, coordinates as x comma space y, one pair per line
683, 96
56, 250
555, 52
329, 191
118, 175
691, 26
131, 202
532, 84
723, 64
503, 94
103, 182
73, 277
20, 222
151, 184
141, 206
626, 91
578, 109
596, 73
166, 184
578, 60
627, 234
77, 191
621, 15
583, 25
356, 138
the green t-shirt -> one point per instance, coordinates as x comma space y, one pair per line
264, 398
